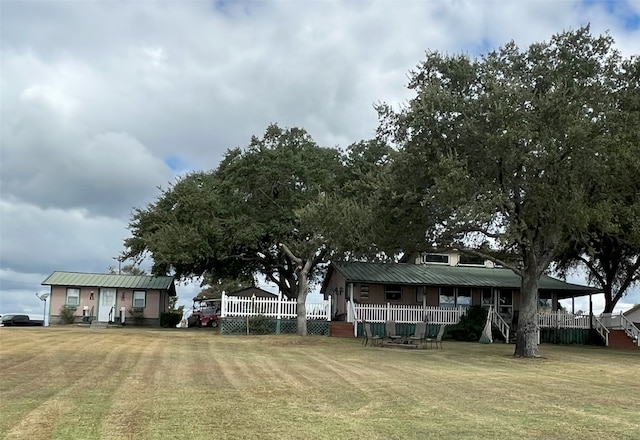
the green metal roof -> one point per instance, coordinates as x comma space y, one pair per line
442, 275
77, 279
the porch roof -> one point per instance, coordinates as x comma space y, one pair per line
443, 275
143, 282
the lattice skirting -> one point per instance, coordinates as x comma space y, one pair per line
262, 325
568, 336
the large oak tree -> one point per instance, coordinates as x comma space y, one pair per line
267, 209
505, 149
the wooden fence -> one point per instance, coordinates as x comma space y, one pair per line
279, 308
447, 316
562, 319
407, 314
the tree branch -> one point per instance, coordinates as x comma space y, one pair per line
494, 259
298, 261
593, 271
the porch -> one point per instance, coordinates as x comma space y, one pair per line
555, 327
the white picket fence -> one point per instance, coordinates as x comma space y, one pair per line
405, 314
447, 316
279, 308
562, 319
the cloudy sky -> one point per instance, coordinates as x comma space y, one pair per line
104, 101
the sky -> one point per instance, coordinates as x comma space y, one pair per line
105, 102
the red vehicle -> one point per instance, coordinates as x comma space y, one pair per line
205, 313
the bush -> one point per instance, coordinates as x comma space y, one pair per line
67, 315
259, 325
170, 320
470, 326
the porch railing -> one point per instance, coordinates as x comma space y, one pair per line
406, 314
630, 329
235, 306
562, 319
500, 323
602, 329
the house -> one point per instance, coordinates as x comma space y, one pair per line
633, 315
444, 280
109, 297
253, 290
439, 287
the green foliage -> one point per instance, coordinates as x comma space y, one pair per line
215, 287
260, 325
170, 320
67, 315
509, 148
470, 326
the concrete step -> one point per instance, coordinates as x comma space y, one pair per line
96, 324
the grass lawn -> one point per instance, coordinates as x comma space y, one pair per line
79, 383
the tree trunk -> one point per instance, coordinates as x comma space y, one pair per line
527, 337
610, 300
301, 307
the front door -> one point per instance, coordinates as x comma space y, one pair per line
106, 304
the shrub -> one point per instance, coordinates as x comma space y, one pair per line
170, 320
67, 315
259, 325
470, 326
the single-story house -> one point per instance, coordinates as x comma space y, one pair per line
633, 315
110, 297
248, 292
444, 280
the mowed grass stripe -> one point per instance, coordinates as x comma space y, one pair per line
197, 384
83, 377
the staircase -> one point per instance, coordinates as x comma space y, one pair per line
341, 329
619, 339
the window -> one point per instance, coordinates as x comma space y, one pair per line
455, 297
419, 294
447, 297
139, 299
471, 260
364, 293
392, 292
435, 258
487, 297
505, 302
463, 298
73, 297
545, 302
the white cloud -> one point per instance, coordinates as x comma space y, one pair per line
97, 97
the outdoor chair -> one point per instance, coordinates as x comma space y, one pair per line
420, 334
390, 331
438, 338
369, 336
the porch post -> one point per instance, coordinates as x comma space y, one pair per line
590, 312
573, 304
279, 315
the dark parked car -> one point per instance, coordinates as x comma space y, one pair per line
20, 320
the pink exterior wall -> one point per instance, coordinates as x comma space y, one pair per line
156, 301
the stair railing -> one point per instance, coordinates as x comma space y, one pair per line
630, 329
352, 317
499, 322
111, 313
91, 316
602, 329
